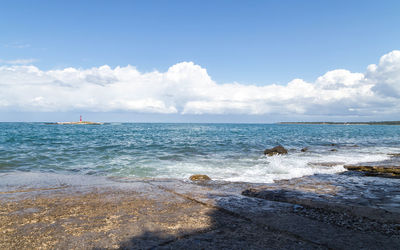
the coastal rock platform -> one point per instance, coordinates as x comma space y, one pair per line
348, 193
389, 168
83, 212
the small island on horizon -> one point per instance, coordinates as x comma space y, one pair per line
75, 123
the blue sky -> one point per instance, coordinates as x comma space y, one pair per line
256, 41
249, 42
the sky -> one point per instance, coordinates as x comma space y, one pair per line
200, 61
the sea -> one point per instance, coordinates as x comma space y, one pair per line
224, 152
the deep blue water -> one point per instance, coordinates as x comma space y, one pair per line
223, 151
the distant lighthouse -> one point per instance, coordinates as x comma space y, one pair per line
80, 122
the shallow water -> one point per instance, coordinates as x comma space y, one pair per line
231, 152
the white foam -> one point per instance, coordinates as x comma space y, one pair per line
267, 169
255, 169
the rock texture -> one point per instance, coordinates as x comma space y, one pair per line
325, 164
55, 212
379, 170
199, 177
275, 150
387, 168
357, 196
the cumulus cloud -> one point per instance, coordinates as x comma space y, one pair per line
186, 88
386, 75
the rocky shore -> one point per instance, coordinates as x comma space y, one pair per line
341, 211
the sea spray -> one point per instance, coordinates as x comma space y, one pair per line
230, 152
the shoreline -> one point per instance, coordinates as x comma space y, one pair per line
310, 212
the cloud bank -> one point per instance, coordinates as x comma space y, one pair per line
186, 88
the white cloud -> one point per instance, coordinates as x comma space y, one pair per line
186, 88
386, 75
18, 61
17, 45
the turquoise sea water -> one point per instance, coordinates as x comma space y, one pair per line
232, 152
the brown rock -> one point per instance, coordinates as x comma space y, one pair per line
304, 149
384, 170
275, 150
199, 177
325, 164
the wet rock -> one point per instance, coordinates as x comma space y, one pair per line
172, 214
394, 155
325, 164
333, 150
376, 170
199, 177
275, 150
304, 149
297, 208
359, 197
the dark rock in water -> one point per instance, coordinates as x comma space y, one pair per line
275, 150
199, 177
333, 149
376, 170
304, 149
325, 164
394, 155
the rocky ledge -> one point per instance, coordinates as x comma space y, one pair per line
388, 168
348, 193
345, 211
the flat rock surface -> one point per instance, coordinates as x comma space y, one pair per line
372, 197
387, 168
74, 212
